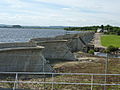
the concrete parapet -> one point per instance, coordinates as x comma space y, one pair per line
17, 44
23, 59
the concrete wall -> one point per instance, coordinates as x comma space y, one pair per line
76, 42
56, 50
18, 44
23, 59
87, 37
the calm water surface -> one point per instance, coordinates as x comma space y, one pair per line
22, 35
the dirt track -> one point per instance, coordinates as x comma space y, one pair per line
97, 40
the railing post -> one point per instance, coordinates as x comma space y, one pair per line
106, 71
92, 81
16, 80
52, 81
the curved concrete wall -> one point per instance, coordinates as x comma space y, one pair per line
56, 50
23, 59
76, 42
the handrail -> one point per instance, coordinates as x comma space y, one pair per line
52, 82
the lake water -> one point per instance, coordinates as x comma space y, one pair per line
105, 55
22, 35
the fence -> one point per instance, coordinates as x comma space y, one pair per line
53, 82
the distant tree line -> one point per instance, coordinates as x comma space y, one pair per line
11, 26
110, 29
16, 26
87, 28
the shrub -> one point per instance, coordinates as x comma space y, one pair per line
118, 32
111, 49
91, 51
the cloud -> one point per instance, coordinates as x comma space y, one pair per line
60, 12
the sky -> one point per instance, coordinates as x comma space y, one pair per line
60, 12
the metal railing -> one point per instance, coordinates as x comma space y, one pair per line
91, 83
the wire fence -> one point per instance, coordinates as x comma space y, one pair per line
53, 79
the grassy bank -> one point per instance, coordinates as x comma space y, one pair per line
108, 40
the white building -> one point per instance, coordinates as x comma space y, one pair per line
99, 30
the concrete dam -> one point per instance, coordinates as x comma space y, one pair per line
32, 56
22, 57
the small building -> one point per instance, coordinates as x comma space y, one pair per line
99, 30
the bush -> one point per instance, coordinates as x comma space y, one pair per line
118, 32
111, 49
91, 51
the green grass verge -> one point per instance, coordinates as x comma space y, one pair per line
108, 40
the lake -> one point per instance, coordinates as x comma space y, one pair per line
23, 35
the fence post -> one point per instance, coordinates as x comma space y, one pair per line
106, 71
52, 81
92, 81
16, 80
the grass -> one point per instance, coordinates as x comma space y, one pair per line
97, 66
108, 40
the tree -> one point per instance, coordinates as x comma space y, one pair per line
17, 26
118, 32
102, 27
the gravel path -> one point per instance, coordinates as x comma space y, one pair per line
97, 40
